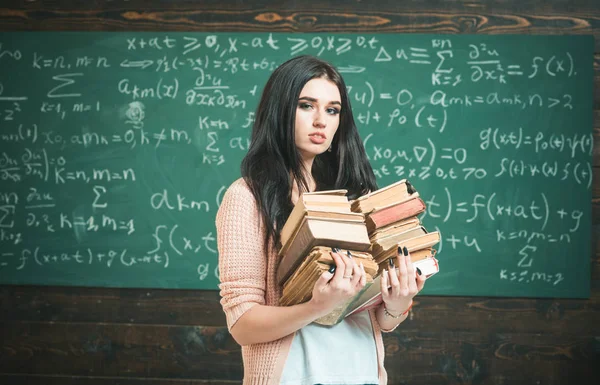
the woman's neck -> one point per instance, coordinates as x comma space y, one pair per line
312, 186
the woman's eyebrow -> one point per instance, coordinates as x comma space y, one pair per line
308, 98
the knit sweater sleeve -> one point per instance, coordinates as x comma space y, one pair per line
242, 258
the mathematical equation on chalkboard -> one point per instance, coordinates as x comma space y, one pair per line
118, 147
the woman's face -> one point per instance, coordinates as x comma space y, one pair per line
317, 117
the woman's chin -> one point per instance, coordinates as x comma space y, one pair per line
312, 150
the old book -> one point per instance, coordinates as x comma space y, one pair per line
383, 244
313, 232
333, 201
325, 196
371, 297
394, 228
295, 289
298, 288
416, 255
413, 244
293, 222
384, 196
325, 258
386, 215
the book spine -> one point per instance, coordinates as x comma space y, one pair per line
293, 257
390, 215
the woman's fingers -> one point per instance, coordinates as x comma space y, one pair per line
410, 272
347, 270
350, 265
340, 266
394, 281
356, 274
420, 282
384, 285
323, 280
403, 274
363, 277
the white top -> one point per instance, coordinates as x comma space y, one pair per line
340, 354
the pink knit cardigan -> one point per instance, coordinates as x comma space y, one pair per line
247, 275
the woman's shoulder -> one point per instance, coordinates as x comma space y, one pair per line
239, 187
237, 202
238, 191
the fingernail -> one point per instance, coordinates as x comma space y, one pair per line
405, 251
348, 252
399, 250
419, 271
335, 249
331, 269
391, 261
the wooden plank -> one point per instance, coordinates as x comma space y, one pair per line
55, 304
111, 305
312, 16
490, 358
578, 7
31, 379
136, 351
506, 314
118, 350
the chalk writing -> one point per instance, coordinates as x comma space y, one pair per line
116, 150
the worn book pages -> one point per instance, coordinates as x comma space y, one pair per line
424, 241
320, 232
331, 201
383, 196
298, 288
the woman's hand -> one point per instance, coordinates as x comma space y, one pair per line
334, 288
400, 283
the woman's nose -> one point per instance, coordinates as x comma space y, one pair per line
319, 120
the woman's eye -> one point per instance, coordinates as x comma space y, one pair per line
333, 111
305, 106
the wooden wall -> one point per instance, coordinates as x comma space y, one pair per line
94, 336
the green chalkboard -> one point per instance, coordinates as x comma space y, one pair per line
116, 148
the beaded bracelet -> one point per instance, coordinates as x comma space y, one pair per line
387, 313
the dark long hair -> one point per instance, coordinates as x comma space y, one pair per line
273, 162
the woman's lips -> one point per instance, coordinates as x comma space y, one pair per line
317, 138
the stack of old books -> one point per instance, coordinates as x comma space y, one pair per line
392, 222
372, 228
391, 218
319, 222
298, 288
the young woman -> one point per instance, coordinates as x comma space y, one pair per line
304, 139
